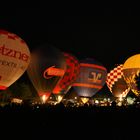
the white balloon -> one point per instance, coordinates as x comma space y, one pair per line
14, 58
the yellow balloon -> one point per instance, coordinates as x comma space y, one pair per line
131, 72
132, 62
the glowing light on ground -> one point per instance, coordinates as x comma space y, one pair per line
16, 100
59, 98
120, 98
130, 100
44, 99
84, 100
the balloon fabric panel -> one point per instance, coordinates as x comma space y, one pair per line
72, 71
91, 79
14, 58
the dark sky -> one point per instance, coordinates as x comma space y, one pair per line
108, 35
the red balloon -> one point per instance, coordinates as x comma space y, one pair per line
71, 73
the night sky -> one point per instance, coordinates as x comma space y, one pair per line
108, 35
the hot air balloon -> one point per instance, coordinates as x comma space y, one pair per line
71, 73
131, 71
14, 58
116, 83
91, 79
47, 67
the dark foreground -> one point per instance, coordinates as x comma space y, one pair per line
58, 122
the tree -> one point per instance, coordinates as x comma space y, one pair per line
5, 95
21, 90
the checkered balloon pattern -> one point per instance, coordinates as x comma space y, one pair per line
113, 77
72, 71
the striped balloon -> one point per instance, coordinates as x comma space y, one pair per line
91, 79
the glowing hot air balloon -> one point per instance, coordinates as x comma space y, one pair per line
131, 71
91, 79
47, 67
71, 73
14, 58
116, 83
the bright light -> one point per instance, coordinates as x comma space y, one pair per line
96, 102
44, 98
84, 100
75, 98
119, 103
59, 98
55, 103
120, 98
130, 100
16, 100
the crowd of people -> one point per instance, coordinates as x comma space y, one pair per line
46, 119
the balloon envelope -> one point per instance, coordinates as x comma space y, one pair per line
91, 79
116, 83
131, 71
71, 73
47, 67
14, 58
